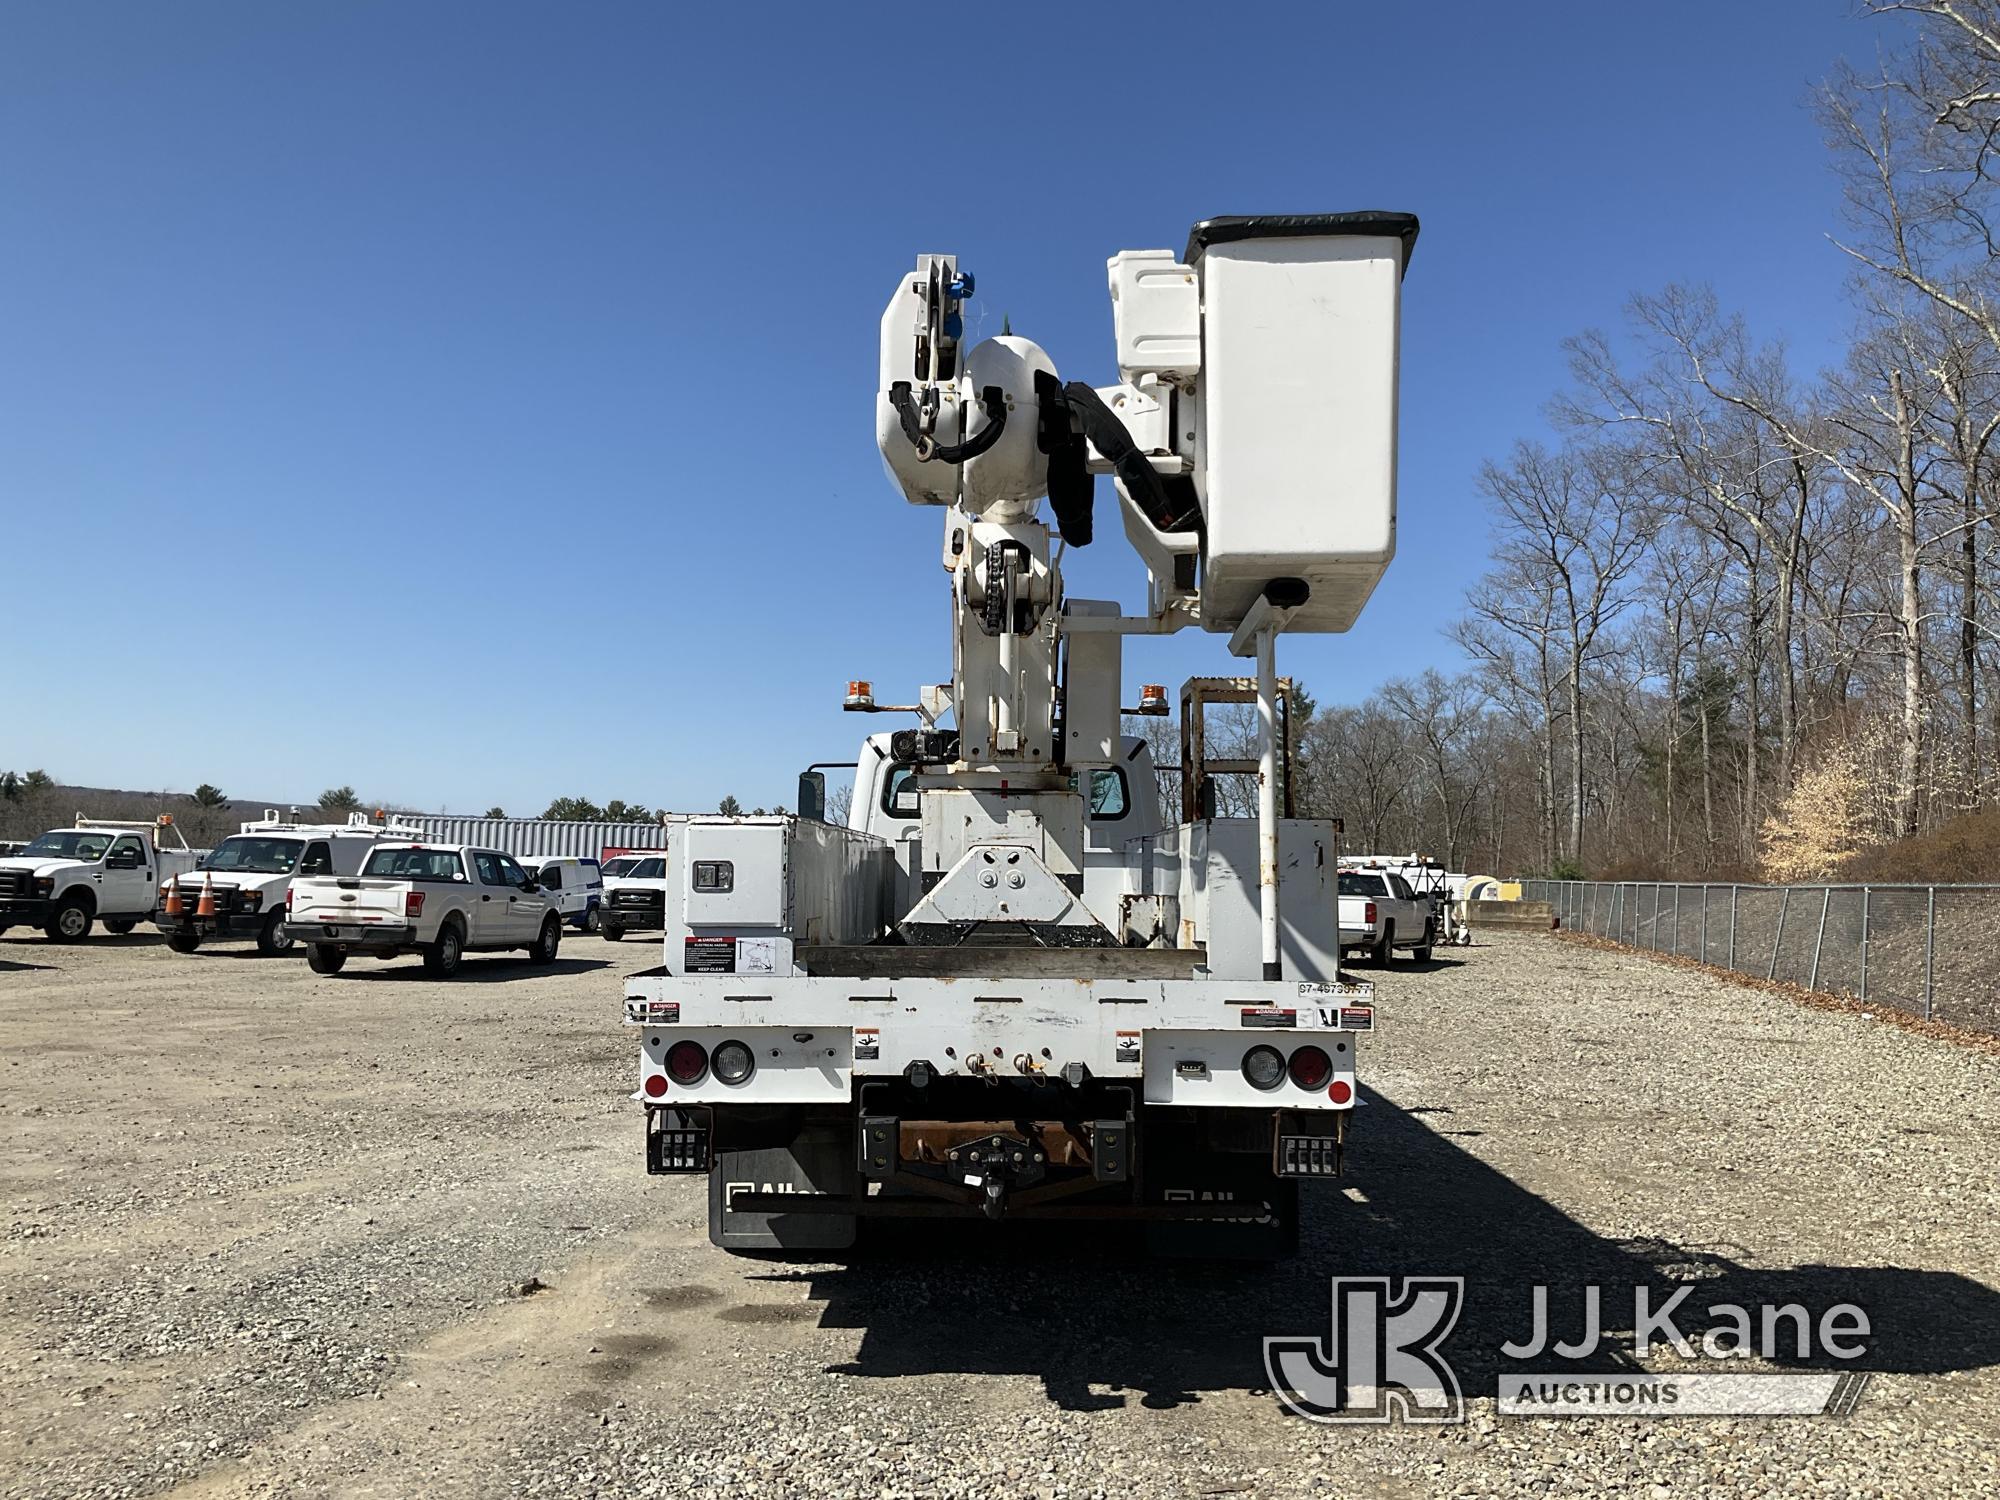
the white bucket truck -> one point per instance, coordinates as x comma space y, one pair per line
107, 870
1006, 990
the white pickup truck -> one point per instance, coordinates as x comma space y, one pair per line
1379, 913
440, 900
102, 870
238, 890
635, 894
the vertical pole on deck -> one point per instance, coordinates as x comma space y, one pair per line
1734, 892
1784, 905
1267, 797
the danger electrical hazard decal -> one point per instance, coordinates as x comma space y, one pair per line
709, 955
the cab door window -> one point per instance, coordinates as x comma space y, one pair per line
551, 877
900, 800
318, 860
1108, 799
490, 871
126, 854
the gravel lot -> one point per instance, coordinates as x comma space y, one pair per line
275, 1234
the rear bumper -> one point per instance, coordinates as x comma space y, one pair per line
820, 1040
350, 937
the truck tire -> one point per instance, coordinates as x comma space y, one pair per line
120, 926
324, 958
442, 957
547, 941
612, 931
272, 937
70, 922
1422, 952
593, 920
1384, 951
183, 942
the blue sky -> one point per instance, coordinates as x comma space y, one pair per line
474, 403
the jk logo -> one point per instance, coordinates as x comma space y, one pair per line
1380, 1359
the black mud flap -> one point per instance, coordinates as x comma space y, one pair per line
820, 1160
1268, 1228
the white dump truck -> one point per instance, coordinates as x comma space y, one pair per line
239, 889
1010, 988
107, 870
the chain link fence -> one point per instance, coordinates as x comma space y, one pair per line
1925, 949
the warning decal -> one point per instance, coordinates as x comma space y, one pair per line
710, 955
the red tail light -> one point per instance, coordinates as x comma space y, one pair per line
1370, 918
687, 1062
413, 905
656, 1085
1310, 1068
288, 898
1340, 1091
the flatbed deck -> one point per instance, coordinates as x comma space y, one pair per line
887, 961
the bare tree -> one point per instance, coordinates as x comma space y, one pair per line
1442, 714
1572, 514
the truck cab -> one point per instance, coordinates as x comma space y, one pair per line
1121, 804
101, 870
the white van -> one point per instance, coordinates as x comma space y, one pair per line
574, 886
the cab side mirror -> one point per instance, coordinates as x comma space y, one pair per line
812, 795
530, 884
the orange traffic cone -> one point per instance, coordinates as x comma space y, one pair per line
174, 897
205, 907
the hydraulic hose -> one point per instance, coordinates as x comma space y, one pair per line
992, 400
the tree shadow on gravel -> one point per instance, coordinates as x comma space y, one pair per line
1085, 1309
